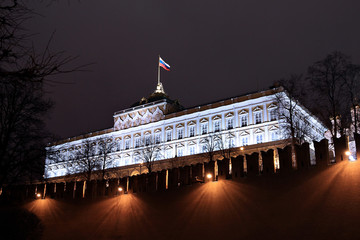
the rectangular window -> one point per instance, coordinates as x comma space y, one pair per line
192, 150
231, 143
273, 115
244, 141
127, 144
118, 145
259, 138
147, 140
180, 152
274, 136
258, 117
204, 129
217, 126
157, 138
180, 133
230, 123
137, 142
244, 121
204, 148
169, 153
192, 131
168, 136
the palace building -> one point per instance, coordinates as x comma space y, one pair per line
250, 121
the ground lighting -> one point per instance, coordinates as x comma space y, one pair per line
351, 158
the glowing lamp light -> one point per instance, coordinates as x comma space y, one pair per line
241, 148
38, 195
209, 176
347, 153
120, 189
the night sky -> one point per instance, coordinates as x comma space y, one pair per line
216, 49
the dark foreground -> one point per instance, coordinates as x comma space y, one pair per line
313, 204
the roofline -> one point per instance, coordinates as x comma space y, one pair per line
190, 110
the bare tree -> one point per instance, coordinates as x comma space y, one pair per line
86, 160
352, 88
225, 144
328, 77
149, 151
209, 145
23, 105
105, 147
294, 125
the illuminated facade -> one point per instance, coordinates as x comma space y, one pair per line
249, 120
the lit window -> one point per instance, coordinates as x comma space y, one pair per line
147, 140
192, 150
231, 143
230, 123
157, 138
244, 121
137, 142
204, 148
180, 133
274, 136
217, 126
180, 152
273, 116
168, 136
258, 117
169, 153
244, 141
192, 131
127, 144
204, 129
136, 159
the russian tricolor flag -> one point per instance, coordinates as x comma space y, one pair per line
163, 64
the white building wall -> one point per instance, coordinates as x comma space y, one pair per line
125, 157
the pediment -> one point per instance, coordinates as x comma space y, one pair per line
243, 111
204, 120
191, 123
229, 114
257, 109
244, 133
180, 125
168, 128
272, 105
273, 128
217, 117
258, 130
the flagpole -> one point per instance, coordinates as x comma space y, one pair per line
159, 71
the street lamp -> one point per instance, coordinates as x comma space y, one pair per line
120, 189
209, 176
38, 195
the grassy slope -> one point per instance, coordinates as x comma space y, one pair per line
313, 204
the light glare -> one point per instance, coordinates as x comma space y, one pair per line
209, 176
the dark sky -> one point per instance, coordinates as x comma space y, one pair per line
216, 49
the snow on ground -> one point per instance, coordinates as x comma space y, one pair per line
312, 204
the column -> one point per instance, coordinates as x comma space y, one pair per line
276, 160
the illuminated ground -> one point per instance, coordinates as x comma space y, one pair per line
305, 205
